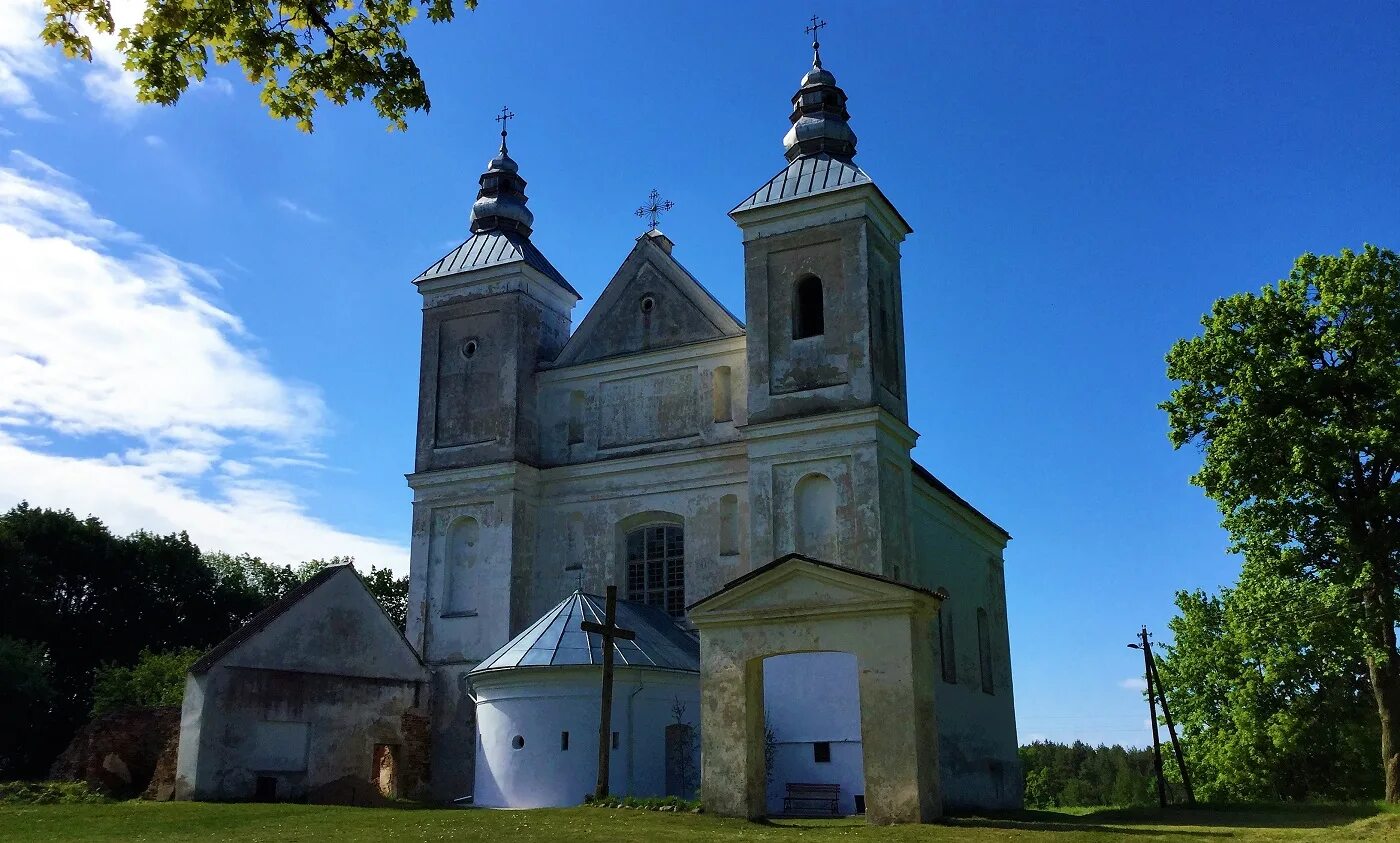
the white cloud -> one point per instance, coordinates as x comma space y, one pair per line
105, 339
293, 208
1134, 683
24, 59
155, 141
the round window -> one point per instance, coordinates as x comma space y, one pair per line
648, 303
517, 742
469, 349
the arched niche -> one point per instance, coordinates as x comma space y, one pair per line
461, 563
814, 517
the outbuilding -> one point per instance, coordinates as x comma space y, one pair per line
314, 699
538, 700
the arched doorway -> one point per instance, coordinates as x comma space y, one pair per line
794, 605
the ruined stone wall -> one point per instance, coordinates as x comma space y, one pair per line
117, 753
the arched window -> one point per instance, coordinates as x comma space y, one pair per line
461, 568
947, 648
656, 567
814, 505
808, 309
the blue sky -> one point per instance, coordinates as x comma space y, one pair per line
206, 320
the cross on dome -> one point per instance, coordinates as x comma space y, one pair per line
813, 30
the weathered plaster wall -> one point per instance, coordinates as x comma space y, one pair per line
646, 403
314, 733
977, 730
538, 706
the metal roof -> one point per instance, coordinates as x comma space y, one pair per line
557, 639
806, 176
489, 248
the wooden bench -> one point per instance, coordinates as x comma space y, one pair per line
806, 799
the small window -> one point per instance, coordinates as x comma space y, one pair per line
808, 308
821, 752
563, 741
615, 741
265, 789
647, 304
518, 742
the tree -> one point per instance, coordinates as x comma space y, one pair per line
300, 51
27, 697
1293, 396
157, 679
1269, 690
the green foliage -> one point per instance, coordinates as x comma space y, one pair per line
301, 52
49, 793
130, 608
1078, 775
1294, 397
26, 698
1268, 687
669, 804
157, 679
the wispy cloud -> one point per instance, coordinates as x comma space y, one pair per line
155, 141
1134, 683
293, 208
126, 391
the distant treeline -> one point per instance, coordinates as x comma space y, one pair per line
1079, 775
95, 621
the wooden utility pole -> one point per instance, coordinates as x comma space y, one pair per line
1152, 709
610, 631
1171, 727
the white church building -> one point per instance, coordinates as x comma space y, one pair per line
663, 446
668, 447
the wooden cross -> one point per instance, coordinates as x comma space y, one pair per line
655, 207
609, 630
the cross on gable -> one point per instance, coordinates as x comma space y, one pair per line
655, 207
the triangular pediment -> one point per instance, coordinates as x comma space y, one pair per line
329, 625
651, 303
799, 585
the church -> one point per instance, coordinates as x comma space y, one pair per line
669, 447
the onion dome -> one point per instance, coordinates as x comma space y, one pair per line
819, 116
500, 204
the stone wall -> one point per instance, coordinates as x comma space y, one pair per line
117, 753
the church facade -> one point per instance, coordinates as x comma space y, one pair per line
667, 446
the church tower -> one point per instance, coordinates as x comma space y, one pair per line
828, 435
494, 308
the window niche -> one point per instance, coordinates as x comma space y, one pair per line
984, 651
723, 392
729, 525
808, 308
814, 522
578, 403
462, 539
947, 653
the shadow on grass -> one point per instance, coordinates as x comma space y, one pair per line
1123, 820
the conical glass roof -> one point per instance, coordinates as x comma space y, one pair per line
557, 639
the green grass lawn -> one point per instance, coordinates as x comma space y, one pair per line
147, 821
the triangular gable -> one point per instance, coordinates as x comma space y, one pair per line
682, 311
802, 585
330, 624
